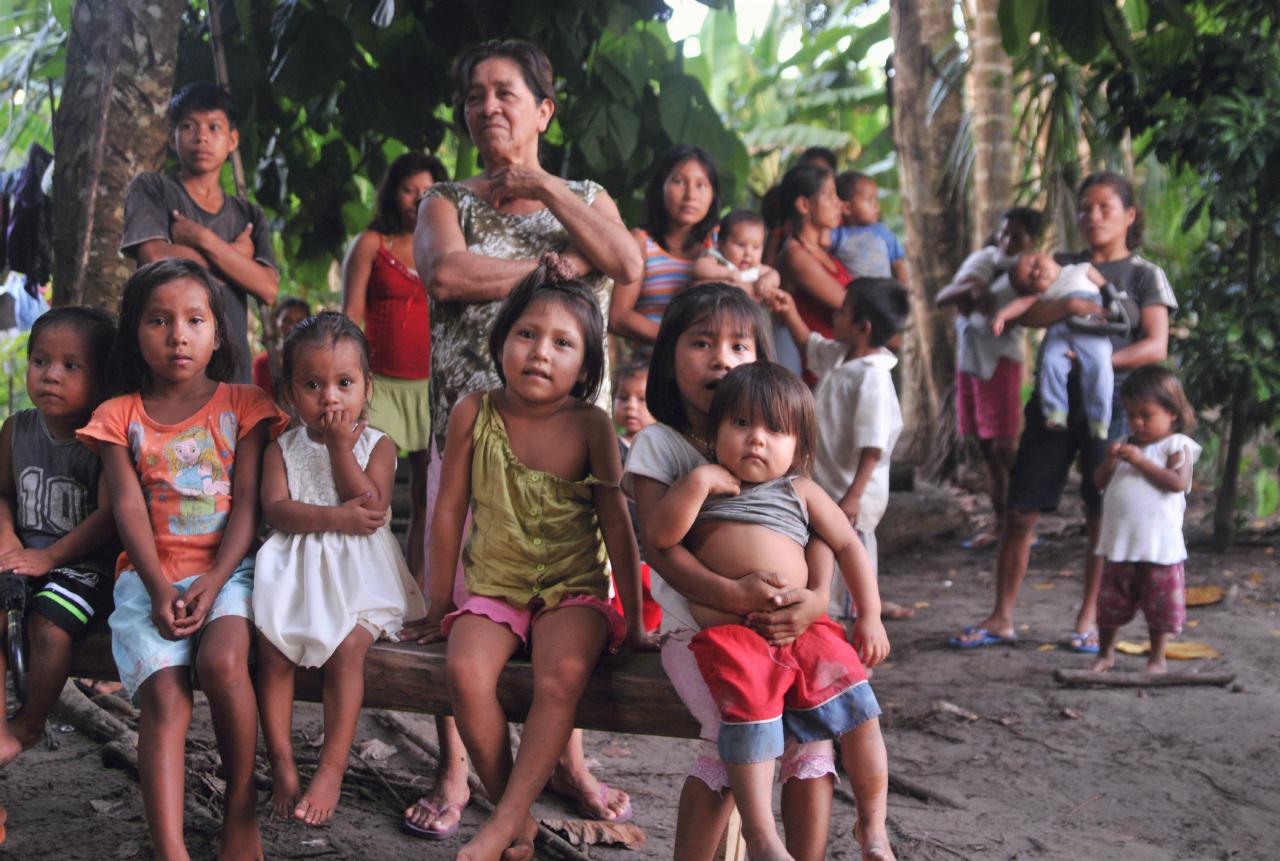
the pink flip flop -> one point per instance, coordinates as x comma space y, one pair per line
436, 811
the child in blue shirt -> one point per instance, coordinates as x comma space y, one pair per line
866, 247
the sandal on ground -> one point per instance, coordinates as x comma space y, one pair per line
437, 811
1083, 642
981, 541
974, 637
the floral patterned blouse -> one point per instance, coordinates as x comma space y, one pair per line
460, 330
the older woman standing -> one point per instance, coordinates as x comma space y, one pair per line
474, 241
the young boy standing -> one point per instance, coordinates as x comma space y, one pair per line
56, 529
189, 215
859, 419
866, 247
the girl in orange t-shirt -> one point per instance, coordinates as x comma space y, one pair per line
181, 451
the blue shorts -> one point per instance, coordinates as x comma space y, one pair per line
136, 644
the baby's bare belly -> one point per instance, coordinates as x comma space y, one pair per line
735, 550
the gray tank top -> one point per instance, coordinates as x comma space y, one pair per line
55, 482
774, 504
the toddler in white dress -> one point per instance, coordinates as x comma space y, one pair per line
1145, 480
331, 580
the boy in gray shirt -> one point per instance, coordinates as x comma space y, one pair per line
57, 534
189, 215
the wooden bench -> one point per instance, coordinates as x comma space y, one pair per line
627, 693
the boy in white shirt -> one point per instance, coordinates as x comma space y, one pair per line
859, 419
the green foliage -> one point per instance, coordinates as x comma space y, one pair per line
32, 63
13, 374
328, 99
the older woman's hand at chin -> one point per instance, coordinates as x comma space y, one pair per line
518, 182
792, 613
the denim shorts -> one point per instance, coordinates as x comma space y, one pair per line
136, 644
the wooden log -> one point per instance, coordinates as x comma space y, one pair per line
1123, 679
627, 693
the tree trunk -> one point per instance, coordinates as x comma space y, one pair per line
110, 126
935, 225
991, 77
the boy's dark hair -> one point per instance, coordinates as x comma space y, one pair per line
92, 324
634, 368
200, 96
825, 155
771, 209
1031, 220
386, 215
714, 304
325, 329
881, 302
658, 220
288, 303
847, 183
127, 370
736, 219
1123, 189
534, 67
544, 285
768, 391
803, 180
1160, 385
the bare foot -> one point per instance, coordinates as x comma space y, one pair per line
890, 610
494, 842
241, 840
1157, 666
1102, 663
584, 790
10, 747
321, 798
874, 842
768, 850
285, 789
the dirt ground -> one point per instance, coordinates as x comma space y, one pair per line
1037, 770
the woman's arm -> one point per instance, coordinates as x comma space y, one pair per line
450, 271
356, 270
708, 268
615, 522
624, 319
595, 230
299, 518
1153, 346
800, 270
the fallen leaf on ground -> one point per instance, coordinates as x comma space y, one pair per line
1046, 647
1193, 623
1010, 720
1066, 572
1182, 650
1255, 577
1024, 627
946, 707
105, 806
921, 605
590, 832
1043, 586
1200, 596
1071, 713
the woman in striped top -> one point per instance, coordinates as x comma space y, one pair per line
683, 204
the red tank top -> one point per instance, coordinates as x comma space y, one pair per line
816, 315
396, 320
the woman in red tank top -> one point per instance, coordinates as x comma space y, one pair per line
809, 272
382, 292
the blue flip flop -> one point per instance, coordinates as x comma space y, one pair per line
983, 638
1079, 642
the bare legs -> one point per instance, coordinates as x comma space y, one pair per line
417, 556
1156, 662
343, 695
1011, 568
223, 666
704, 813
865, 761
997, 458
752, 785
566, 643
441, 809
49, 654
